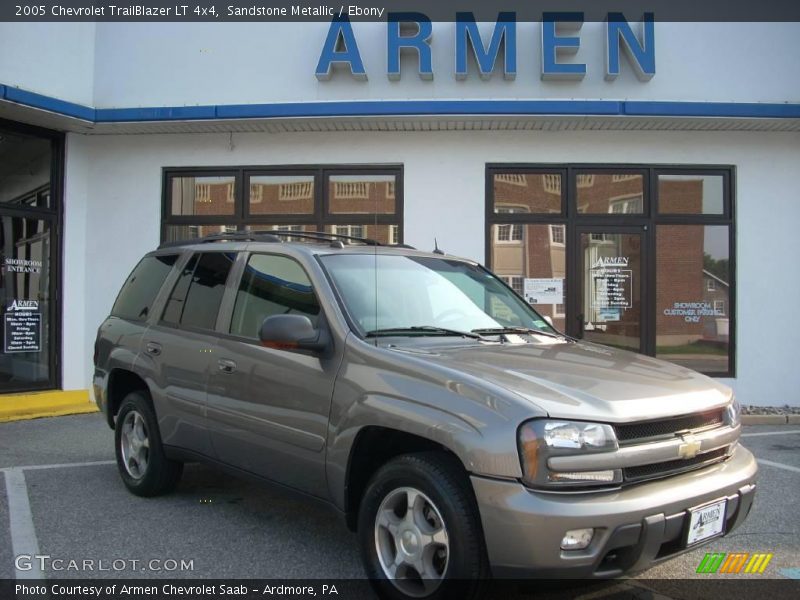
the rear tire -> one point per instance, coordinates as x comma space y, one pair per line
420, 532
144, 468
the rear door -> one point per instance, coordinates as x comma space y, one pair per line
177, 349
268, 409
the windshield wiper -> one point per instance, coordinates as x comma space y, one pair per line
501, 330
423, 330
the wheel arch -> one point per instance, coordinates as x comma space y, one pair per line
372, 448
122, 382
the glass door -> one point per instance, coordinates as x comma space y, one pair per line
610, 286
27, 352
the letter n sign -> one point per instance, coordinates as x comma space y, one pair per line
620, 38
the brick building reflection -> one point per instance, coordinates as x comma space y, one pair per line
360, 197
520, 251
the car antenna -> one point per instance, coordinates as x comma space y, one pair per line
436, 249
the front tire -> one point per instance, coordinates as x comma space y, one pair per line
419, 530
144, 468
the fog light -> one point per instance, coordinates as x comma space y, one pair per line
598, 476
577, 539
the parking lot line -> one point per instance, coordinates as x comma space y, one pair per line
60, 465
778, 465
770, 433
23, 533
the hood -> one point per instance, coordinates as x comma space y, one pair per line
578, 380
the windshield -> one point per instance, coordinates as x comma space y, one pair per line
389, 292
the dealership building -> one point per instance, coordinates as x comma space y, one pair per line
636, 181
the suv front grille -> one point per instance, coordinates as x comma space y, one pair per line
672, 467
649, 430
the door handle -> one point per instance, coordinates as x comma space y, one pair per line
153, 348
226, 366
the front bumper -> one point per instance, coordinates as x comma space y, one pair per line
635, 527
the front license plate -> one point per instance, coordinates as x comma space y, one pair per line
705, 522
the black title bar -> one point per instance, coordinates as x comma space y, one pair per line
153, 11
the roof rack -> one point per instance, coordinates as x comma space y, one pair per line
270, 236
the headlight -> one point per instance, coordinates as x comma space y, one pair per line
542, 438
733, 414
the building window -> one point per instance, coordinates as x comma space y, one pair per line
363, 201
626, 206
296, 190
516, 282
509, 234
557, 235
359, 231
634, 256
527, 192
512, 179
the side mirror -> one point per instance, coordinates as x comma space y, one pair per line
293, 332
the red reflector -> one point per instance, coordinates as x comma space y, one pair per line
280, 345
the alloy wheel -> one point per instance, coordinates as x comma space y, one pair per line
135, 444
411, 541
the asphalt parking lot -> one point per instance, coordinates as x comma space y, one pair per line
67, 501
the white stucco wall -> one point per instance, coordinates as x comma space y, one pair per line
120, 179
169, 64
54, 59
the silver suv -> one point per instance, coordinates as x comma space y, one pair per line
451, 426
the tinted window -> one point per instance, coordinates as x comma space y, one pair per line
174, 308
272, 285
195, 300
140, 289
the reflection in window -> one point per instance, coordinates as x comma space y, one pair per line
557, 234
203, 196
509, 233
383, 234
142, 286
691, 194
26, 168
281, 194
354, 231
272, 285
539, 257
693, 292
201, 203
25, 300
193, 232
603, 194
527, 192
361, 194
195, 299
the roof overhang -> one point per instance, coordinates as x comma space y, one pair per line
399, 115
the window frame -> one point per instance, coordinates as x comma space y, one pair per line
319, 218
54, 216
235, 285
646, 221
168, 287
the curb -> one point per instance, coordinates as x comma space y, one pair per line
16, 407
770, 419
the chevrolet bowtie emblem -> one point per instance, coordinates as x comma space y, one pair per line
690, 446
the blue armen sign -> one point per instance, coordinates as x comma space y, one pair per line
413, 32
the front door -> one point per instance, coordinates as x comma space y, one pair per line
269, 407
610, 286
